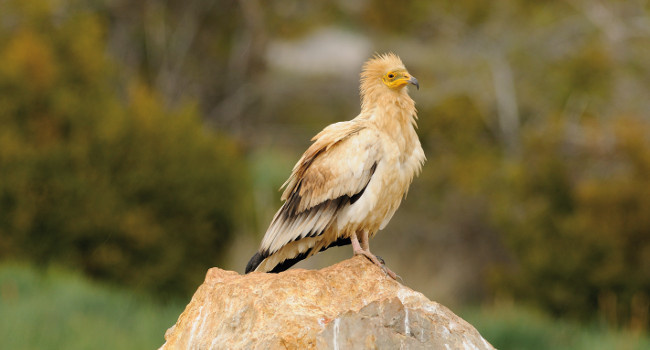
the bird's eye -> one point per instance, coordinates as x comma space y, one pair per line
391, 75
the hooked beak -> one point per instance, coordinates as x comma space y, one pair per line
414, 81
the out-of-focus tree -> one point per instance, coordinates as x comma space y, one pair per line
576, 219
100, 175
210, 50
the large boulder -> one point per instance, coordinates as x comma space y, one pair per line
350, 305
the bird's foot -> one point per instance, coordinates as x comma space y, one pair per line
391, 274
377, 261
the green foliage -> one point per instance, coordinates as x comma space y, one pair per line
459, 144
57, 309
576, 220
122, 187
521, 328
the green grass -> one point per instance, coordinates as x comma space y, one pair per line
56, 309
515, 327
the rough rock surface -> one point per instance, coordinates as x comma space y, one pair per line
350, 305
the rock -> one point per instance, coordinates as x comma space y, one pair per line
350, 305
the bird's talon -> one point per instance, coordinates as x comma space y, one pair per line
379, 262
391, 274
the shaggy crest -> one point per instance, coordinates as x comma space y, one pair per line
372, 73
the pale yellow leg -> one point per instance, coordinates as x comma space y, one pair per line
365, 241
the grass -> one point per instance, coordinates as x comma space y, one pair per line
57, 309
514, 327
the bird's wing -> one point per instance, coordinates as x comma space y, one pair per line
331, 174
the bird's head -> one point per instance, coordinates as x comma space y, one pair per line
397, 79
386, 70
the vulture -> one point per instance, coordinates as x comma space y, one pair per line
351, 180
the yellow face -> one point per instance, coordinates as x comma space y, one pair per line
397, 79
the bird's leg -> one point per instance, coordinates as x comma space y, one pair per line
365, 251
365, 245
365, 241
356, 248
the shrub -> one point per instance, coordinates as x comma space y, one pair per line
576, 220
119, 186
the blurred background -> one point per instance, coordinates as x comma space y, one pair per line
143, 142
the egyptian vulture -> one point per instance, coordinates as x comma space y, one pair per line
351, 180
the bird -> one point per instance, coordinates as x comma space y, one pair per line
351, 180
